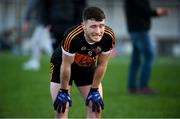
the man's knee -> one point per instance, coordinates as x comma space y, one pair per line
91, 114
54, 89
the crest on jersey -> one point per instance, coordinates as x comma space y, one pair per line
90, 53
98, 49
83, 48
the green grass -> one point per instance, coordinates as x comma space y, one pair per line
26, 93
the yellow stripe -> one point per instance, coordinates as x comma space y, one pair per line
109, 30
51, 70
110, 33
69, 35
66, 41
68, 46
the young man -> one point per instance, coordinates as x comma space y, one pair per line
83, 58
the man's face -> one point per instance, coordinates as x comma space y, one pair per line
94, 30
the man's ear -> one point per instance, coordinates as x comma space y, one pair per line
83, 24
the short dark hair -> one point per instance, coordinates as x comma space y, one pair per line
93, 13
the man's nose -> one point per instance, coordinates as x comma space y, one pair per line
98, 30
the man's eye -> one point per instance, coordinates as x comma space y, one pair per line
93, 26
101, 26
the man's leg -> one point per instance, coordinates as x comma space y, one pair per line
54, 89
34, 62
135, 62
148, 55
84, 90
46, 41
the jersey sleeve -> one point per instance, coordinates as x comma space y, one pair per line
109, 40
68, 45
70, 42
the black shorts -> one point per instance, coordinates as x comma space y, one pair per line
80, 76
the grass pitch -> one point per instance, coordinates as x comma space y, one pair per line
26, 93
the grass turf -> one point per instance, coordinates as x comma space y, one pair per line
26, 93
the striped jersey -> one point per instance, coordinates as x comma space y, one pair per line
86, 54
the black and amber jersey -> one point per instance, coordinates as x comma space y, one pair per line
86, 54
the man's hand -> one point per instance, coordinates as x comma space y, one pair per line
96, 99
162, 11
61, 101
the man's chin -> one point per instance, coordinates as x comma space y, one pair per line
96, 39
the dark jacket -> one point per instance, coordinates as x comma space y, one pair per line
36, 10
57, 13
138, 14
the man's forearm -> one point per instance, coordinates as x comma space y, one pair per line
65, 76
99, 75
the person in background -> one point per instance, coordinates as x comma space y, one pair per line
41, 39
82, 58
139, 14
62, 15
52, 16
79, 6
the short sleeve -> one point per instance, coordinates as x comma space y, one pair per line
109, 41
70, 41
68, 46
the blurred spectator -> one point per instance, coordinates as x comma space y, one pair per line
79, 6
139, 14
40, 39
54, 16
63, 14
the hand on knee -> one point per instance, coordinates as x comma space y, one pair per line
62, 101
94, 100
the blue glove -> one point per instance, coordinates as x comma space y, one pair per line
96, 99
61, 101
